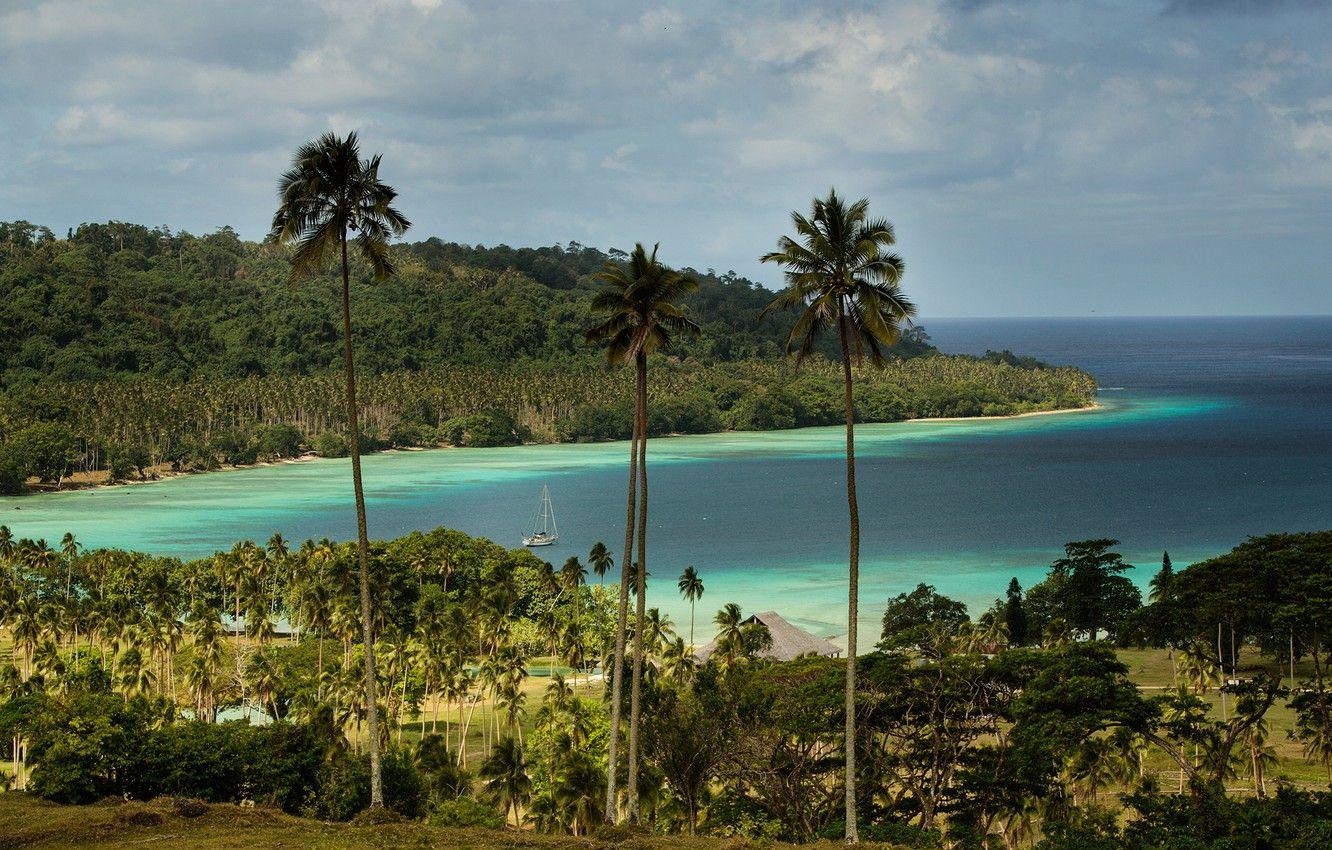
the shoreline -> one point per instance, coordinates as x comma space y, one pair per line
1091, 408
167, 475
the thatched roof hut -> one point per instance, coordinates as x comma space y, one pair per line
788, 641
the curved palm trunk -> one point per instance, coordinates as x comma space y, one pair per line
636, 687
622, 614
362, 535
853, 588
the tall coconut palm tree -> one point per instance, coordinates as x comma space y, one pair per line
691, 588
844, 280
642, 314
328, 193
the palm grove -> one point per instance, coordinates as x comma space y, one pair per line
950, 727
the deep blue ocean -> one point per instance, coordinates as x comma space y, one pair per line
1212, 430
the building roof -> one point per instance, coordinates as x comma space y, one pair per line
788, 641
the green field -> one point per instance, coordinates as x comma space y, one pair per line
28, 822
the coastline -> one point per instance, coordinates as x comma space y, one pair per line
1090, 408
163, 475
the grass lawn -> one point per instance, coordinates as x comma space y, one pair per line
28, 822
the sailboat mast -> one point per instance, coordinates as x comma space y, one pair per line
550, 510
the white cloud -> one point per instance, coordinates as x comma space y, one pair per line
1025, 118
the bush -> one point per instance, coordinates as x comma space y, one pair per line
344, 786
692, 413
466, 812
764, 410
125, 462
278, 441
330, 444
236, 447
444, 777
377, 817
485, 429
189, 807
136, 814
229, 762
47, 450
405, 790
597, 423
412, 435
85, 747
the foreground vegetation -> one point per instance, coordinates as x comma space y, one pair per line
30, 823
1014, 729
135, 351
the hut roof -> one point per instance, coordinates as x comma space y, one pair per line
788, 641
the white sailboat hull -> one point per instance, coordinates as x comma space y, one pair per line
544, 530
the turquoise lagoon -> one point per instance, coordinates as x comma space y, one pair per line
1191, 450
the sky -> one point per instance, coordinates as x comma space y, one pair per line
1090, 158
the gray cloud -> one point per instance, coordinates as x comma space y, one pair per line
1023, 149
1241, 7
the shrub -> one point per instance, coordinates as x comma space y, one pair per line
488, 428
229, 762
330, 444
344, 786
444, 777
189, 807
764, 410
85, 747
377, 817
596, 423
276, 441
411, 435
465, 812
136, 814
47, 450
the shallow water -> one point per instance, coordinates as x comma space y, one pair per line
1210, 430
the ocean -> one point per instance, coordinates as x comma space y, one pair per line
1210, 430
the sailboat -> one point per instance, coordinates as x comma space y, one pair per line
544, 530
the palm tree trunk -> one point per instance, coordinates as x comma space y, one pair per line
622, 614
636, 686
853, 587
362, 535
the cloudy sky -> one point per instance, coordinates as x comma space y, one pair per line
1036, 158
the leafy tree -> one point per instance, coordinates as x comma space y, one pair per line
923, 620
328, 192
924, 720
12, 477
47, 450
1015, 615
688, 739
841, 277
1085, 590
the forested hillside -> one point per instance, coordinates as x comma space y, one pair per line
122, 300
130, 348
